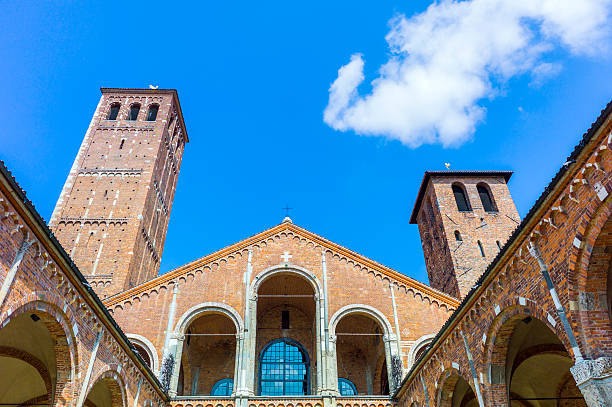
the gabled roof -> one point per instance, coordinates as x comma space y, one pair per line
286, 225
455, 174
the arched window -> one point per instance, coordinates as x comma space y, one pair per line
488, 203
463, 204
458, 236
113, 112
223, 387
134, 110
284, 369
152, 114
346, 387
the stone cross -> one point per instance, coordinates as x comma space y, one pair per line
286, 257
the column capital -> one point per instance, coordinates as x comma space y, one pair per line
592, 369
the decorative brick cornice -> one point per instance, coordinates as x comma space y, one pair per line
110, 171
289, 227
99, 220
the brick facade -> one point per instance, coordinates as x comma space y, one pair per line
459, 244
113, 212
533, 322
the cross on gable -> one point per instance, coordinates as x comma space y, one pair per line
286, 257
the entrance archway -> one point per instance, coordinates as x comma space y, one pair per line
286, 316
455, 391
208, 356
35, 362
362, 349
531, 366
106, 392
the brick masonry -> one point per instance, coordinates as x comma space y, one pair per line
566, 237
112, 215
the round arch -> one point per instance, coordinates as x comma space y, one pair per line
362, 309
419, 344
519, 333
58, 325
275, 270
197, 311
451, 380
590, 287
148, 346
115, 389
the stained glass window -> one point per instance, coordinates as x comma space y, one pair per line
283, 369
223, 387
346, 387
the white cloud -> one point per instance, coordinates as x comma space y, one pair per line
447, 60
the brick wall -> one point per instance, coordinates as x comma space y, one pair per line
113, 212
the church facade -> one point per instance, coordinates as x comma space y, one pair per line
517, 312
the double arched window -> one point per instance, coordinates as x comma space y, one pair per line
346, 387
223, 387
488, 204
284, 369
463, 203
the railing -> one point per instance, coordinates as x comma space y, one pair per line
287, 401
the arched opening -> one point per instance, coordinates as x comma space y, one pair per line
486, 197
346, 387
458, 236
152, 113
594, 290
461, 199
457, 392
113, 112
361, 353
34, 360
143, 354
209, 355
106, 392
286, 317
284, 368
134, 110
531, 367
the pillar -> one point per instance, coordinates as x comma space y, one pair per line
594, 379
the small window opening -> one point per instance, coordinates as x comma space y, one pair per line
113, 112
463, 205
482, 253
458, 236
105, 193
485, 197
284, 319
134, 110
498, 244
152, 114
121, 145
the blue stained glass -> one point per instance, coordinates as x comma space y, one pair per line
284, 368
223, 387
346, 387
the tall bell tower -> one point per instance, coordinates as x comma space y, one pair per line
464, 219
112, 214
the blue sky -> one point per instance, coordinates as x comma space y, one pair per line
254, 80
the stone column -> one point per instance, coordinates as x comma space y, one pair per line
176, 348
247, 365
391, 352
332, 366
594, 379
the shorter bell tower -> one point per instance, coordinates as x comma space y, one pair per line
464, 218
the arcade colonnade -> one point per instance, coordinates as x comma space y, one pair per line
298, 295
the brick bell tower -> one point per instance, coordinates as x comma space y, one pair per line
113, 212
464, 219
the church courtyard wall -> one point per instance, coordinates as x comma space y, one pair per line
41, 291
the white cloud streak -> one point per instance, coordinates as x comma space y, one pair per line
446, 61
